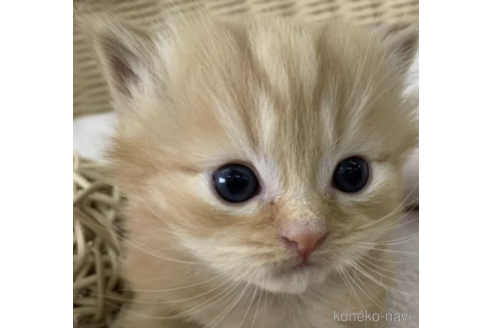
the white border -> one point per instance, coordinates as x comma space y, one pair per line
35, 161
456, 176
456, 136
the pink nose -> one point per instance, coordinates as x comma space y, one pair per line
304, 243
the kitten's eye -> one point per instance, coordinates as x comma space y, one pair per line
235, 183
351, 174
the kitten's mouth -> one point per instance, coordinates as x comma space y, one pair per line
294, 276
299, 266
304, 266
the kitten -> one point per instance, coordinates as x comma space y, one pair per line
262, 159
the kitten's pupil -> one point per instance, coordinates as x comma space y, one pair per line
235, 183
351, 175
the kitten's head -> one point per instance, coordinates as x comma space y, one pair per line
270, 150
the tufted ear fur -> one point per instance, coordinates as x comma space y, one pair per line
402, 43
127, 57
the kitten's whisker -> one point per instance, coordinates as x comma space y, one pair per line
398, 208
128, 242
174, 288
203, 294
387, 261
395, 225
381, 305
388, 250
391, 226
228, 291
231, 289
189, 298
355, 266
166, 224
351, 288
348, 306
231, 307
258, 304
391, 244
375, 222
249, 307
370, 298
382, 275
373, 245
387, 270
265, 307
397, 241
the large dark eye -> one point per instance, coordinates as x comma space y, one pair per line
351, 174
235, 183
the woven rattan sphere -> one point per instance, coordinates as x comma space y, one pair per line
95, 246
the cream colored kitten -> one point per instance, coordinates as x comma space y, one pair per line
262, 159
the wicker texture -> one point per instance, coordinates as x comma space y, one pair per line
89, 90
95, 246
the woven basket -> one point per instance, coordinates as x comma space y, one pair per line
95, 246
89, 90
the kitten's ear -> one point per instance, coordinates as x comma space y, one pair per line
401, 42
127, 56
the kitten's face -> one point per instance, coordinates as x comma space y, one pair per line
286, 101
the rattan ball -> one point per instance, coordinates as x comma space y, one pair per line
97, 292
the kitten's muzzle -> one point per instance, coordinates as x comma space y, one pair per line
304, 242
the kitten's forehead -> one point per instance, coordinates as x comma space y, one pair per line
286, 57
293, 93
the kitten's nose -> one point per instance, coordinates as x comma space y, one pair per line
304, 242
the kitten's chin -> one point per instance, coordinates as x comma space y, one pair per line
295, 282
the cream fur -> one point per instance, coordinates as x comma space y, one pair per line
290, 100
